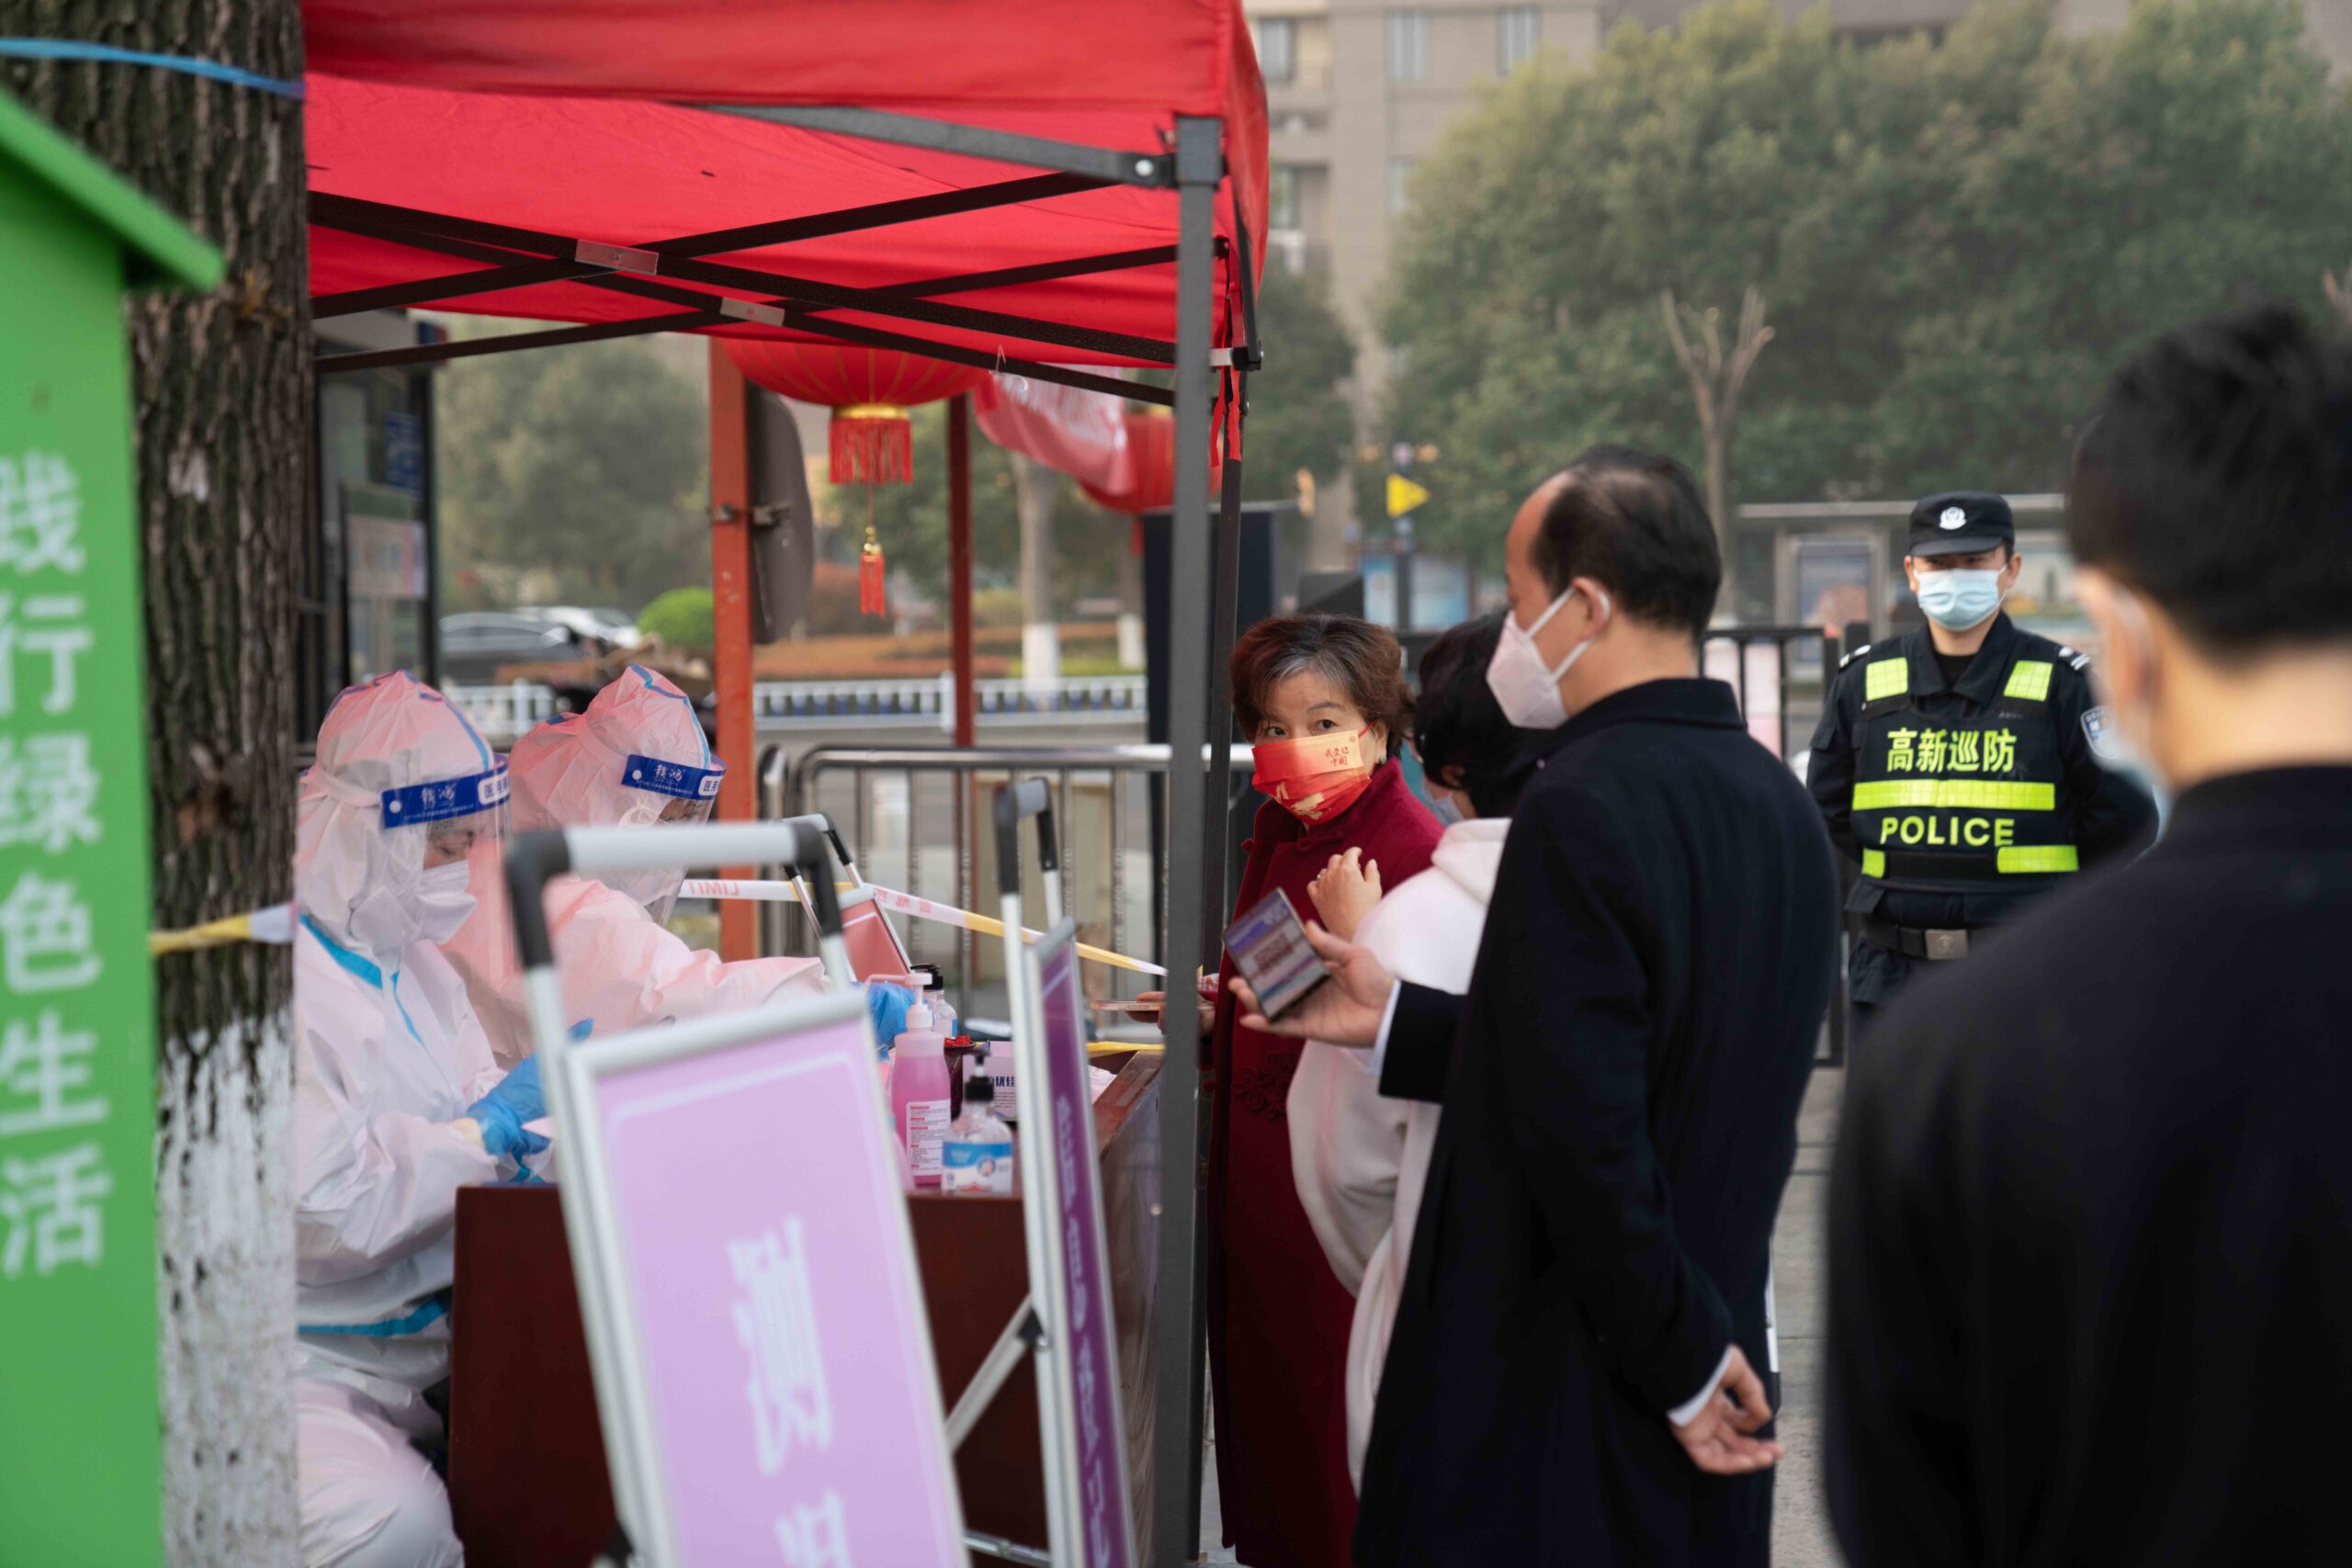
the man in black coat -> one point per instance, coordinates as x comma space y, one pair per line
2091, 1221
1573, 1375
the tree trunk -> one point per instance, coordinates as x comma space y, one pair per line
1131, 606
1333, 533
1035, 488
223, 388
1718, 440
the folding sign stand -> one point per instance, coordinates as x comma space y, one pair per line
1066, 1324
736, 1207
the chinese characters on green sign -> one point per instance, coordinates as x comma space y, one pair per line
79, 1426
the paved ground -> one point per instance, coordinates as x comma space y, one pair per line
1800, 1524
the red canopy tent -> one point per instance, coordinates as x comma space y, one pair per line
1032, 186
565, 137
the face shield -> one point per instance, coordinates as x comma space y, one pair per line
636, 758
403, 795
663, 793
455, 825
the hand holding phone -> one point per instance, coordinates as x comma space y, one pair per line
1271, 950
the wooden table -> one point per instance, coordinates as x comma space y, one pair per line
527, 1482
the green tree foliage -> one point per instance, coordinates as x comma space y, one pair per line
575, 475
1298, 417
680, 618
1955, 241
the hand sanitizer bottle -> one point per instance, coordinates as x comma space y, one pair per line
977, 1154
918, 1092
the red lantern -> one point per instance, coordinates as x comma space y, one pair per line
1151, 453
869, 390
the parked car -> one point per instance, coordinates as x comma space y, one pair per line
476, 644
612, 629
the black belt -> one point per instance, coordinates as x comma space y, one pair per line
1914, 941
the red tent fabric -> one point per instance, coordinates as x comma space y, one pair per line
573, 118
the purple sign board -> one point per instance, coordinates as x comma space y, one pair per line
1095, 1442
761, 1300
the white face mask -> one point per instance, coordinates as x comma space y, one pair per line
442, 901
2118, 746
1527, 692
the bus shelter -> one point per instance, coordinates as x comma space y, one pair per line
1058, 189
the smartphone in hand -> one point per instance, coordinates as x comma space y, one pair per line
1271, 950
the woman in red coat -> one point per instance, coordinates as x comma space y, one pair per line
1324, 701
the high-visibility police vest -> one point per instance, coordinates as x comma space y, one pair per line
1942, 803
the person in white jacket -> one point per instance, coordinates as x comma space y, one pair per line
397, 1104
1360, 1160
636, 757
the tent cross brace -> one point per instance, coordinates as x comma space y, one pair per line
438, 231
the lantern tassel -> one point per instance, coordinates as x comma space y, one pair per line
871, 449
871, 570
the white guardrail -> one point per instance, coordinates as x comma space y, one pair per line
504, 713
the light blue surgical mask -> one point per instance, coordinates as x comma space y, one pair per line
1442, 807
1958, 600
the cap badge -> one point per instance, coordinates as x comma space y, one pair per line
1953, 517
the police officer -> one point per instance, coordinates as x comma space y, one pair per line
1956, 762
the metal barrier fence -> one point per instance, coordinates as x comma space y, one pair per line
917, 817
504, 713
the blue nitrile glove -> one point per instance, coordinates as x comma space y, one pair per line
886, 1005
502, 1112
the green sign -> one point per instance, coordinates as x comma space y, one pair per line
79, 1457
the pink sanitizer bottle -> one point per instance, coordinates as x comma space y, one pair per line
919, 1094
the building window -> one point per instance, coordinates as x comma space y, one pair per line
1408, 46
1517, 30
1400, 183
1282, 198
1277, 49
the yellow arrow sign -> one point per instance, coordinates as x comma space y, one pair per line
1404, 496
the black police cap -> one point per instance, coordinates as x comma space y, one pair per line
1961, 522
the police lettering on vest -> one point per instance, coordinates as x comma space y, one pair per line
1941, 802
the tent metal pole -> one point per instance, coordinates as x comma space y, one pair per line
1035, 370
959, 560
1225, 598
717, 242
730, 585
1195, 711
429, 231
515, 343
972, 141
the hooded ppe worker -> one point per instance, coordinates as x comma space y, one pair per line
397, 1105
636, 758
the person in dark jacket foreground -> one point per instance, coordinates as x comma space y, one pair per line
1577, 1370
2091, 1220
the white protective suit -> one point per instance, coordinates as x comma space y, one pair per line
388, 1058
637, 756
1360, 1160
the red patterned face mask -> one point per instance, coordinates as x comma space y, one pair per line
1315, 777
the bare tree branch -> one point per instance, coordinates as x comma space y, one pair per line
1717, 382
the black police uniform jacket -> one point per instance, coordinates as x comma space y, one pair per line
1961, 803
1621, 1089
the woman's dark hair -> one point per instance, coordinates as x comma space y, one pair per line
1363, 659
2216, 478
1458, 727
1633, 521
